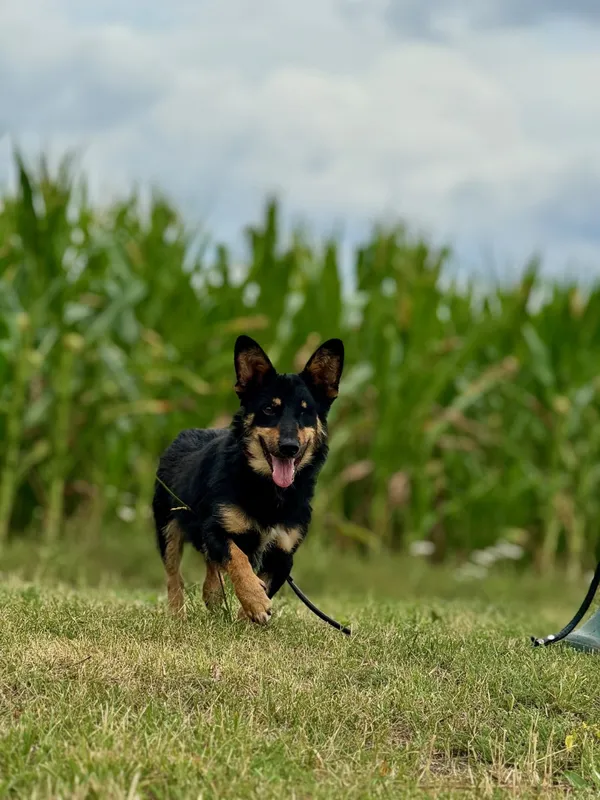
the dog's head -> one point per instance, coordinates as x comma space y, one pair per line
284, 416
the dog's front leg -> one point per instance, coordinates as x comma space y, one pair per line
250, 590
219, 541
275, 568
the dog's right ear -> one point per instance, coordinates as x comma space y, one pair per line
252, 366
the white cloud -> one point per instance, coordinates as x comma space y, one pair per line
484, 133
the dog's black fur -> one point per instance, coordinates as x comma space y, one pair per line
241, 520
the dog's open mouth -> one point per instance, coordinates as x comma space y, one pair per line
283, 470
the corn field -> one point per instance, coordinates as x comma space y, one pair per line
465, 417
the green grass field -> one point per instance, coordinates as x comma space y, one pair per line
468, 424
437, 694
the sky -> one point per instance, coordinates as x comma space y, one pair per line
475, 121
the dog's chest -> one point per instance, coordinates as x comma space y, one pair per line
277, 536
270, 537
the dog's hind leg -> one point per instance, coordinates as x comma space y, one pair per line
171, 547
212, 589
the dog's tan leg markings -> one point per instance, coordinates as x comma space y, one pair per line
172, 559
250, 590
212, 589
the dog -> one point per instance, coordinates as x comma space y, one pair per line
247, 489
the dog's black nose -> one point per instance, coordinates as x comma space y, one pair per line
289, 448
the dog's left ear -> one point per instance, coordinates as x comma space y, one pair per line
252, 365
323, 370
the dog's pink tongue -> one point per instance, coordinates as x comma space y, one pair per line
283, 471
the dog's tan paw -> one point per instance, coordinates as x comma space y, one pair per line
256, 606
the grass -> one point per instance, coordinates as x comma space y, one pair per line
102, 694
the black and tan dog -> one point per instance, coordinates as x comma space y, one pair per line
249, 486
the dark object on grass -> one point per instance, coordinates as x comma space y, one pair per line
316, 610
588, 636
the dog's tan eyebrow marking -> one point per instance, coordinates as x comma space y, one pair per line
304, 404
276, 401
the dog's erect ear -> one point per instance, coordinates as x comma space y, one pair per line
323, 370
252, 365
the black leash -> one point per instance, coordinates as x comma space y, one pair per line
587, 602
315, 610
297, 591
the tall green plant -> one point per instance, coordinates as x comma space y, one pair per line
465, 416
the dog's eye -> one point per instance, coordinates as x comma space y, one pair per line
269, 411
